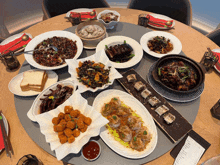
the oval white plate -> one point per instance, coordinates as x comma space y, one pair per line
36, 104
132, 102
159, 16
14, 84
79, 10
177, 45
217, 51
34, 42
6, 126
137, 50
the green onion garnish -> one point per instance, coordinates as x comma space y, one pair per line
115, 98
145, 132
159, 71
132, 55
135, 138
124, 41
117, 62
114, 117
106, 46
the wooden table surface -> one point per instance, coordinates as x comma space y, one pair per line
194, 45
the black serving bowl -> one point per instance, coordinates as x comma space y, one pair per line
198, 69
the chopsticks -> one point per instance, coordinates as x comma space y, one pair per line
7, 143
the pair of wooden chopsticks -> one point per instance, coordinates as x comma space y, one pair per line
7, 143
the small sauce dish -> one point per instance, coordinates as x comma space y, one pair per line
91, 151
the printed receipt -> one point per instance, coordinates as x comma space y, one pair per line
190, 153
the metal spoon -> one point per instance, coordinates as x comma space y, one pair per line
53, 47
24, 38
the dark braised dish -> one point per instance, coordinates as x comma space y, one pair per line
55, 98
160, 44
93, 74
119, 53
178, 76
49, 57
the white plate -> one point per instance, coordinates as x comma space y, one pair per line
14, 84
6, 126
79, 10
135, 105
217, 51
34, 42
137, 50
34, 110
177, 45
159, 16
98, 57
12, 38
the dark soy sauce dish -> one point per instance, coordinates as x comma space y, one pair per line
91, 151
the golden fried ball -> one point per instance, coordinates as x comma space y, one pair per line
56, 120
80, 123
61, 115
68, 109
55, 128
71, 139
60, 127
71, 124
74, 113
84, 128
60, 133
67, 117
81, 116
68, 132
62, 120
76, 132
87, 120
63, 139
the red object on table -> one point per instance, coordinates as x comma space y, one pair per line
158, 21
84, 15
22, 43
2, 146
217, 65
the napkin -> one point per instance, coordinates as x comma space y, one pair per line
46, 126
217, 65
22, 43
2, 146
157, 20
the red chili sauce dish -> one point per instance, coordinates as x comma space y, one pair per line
91, 150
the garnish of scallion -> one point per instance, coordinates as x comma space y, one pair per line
124, 41
106, 46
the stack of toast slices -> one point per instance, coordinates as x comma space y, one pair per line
33, 80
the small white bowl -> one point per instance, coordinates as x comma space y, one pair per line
111, 24
100, 149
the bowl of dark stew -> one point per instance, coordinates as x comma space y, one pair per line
178, 73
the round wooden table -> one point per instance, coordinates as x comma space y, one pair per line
194, 46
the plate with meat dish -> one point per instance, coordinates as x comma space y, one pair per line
131, 131
51, 98
159, 44
123, 52
69, 46
92, 73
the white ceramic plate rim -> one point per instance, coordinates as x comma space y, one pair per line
177, 45
79, 10
217, 51
112, 23
105, 97
11, 38
6, 126
19, 77
31, 113
160, 16
34, 42
138, 51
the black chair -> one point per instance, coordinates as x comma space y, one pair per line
53, 8
214, 36
180, 10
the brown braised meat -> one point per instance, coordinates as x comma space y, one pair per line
55, 98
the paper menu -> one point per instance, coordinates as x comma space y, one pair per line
190, 153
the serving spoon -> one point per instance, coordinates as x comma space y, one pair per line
53, 47
24, 38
